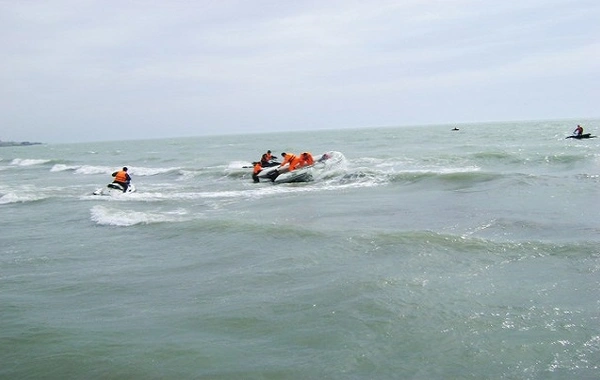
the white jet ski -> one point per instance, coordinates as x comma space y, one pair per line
303, 174
115, 189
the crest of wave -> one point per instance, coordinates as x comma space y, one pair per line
87, 170
21, 198
28, 162
146, 172
90, 170
123, 218
62, 168
335, 164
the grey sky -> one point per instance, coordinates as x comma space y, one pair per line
108, 70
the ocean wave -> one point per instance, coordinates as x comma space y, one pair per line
124, 218
21, 197
29, 161
63, 167
496, 157
91, 170
378, 176
148, 172
178, 192
562, 158
469, 244
94, 170
181, 194
527, 158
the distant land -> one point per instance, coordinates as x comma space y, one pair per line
17, 143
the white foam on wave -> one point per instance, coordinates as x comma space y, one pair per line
123, 218
91, 170
466, 169
28, 162
147, 172
133, 171
62, 168
187, 174
21, 197
238, 165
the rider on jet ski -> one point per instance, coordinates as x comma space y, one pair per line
122, 178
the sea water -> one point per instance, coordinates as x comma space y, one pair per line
426, 254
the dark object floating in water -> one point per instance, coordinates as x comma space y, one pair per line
584, 136
18, 143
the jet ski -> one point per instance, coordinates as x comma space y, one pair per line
283, 175
270, 163
583, 136
302, 174
115, 188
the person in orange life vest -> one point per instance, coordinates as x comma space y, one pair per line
296, 163
268, 160
122, 178
264, 161
257, 169
306, 159
578, 131
287, 158
290, 159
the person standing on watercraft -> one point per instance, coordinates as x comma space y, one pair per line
122, 178
256, 171
578, 131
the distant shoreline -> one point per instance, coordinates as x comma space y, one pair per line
18, 143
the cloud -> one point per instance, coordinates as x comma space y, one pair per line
196, 63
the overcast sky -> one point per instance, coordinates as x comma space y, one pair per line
74, 71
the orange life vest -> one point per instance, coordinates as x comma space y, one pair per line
121, 176
288, 159
295, 162
307, 159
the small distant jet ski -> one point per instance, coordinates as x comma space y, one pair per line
583, 136
115, 188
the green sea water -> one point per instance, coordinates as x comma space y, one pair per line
426, 254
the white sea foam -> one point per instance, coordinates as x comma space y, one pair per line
62, 168
12, 197
28, 162
442, 170
147, 172
123, 218
238, 165
91, 170
133, 171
